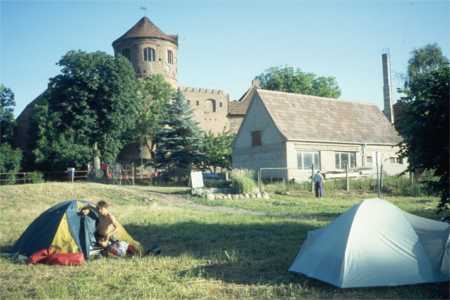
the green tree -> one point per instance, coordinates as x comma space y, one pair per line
425, 119
9, 162
294, 80
178, 140
155, 94
424, 60
217, 150
7, 121
93, 100
10, 158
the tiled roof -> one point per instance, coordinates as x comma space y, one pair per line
310, 118
146, 29
239, 108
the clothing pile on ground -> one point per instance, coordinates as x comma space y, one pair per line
65, 235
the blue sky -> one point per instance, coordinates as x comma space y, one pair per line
223, 44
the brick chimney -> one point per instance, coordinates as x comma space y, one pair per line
387, 87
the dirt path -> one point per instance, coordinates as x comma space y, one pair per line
180, 201
170, 199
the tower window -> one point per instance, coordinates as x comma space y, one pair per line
170, 56
197, 103
127, 53
149, 54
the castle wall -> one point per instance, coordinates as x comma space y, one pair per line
209, 108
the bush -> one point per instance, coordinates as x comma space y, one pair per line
35, 177
242, 181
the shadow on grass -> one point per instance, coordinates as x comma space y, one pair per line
241, 253
252, 254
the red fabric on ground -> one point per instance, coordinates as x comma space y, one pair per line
39, 256
47, 256
66, 259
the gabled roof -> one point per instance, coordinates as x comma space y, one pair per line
144, 28
318, 119
239, 108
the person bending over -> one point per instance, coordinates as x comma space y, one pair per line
106, 224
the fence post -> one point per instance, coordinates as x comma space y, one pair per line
71, 173
132, 173
259, 180
381, 179
312, 178
378, 178
347, 184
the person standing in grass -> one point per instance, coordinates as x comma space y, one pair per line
318, 184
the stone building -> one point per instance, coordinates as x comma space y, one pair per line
151, 51
293, 133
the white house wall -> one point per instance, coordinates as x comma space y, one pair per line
327, 157
272, 151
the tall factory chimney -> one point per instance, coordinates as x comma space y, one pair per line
387, 87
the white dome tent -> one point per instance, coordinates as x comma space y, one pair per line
375, 243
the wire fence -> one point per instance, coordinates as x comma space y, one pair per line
37, 177
112, 174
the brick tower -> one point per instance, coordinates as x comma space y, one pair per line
150, 50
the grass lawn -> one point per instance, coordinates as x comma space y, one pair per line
225, 249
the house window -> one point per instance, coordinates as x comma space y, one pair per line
256, 138
211, 105
306, 159
369, 161
189, 102
396, 160
127, 53
170, 56
149, 54
344, 159
220, 104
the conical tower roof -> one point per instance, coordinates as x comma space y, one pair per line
145, 28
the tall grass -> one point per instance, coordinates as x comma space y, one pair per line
242, 181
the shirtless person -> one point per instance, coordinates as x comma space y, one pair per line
106, 224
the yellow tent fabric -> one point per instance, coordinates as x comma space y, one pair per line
122, 234
63, 240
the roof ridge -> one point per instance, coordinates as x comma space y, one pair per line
318, 97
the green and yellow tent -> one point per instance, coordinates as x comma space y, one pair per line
66, 229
